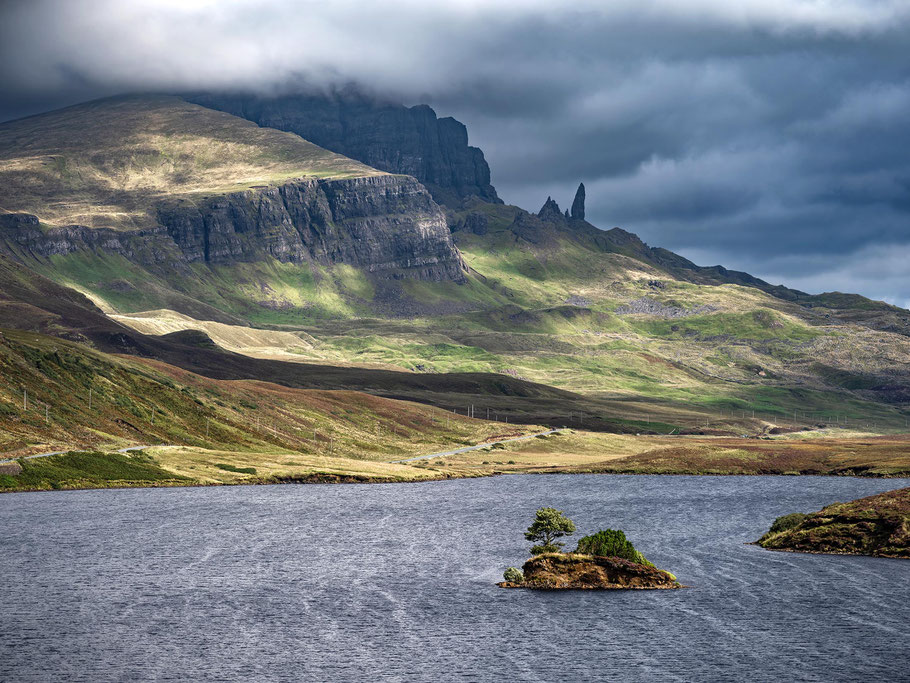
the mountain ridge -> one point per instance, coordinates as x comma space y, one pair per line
479, 293
384, 135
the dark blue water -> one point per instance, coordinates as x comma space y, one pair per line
396, 582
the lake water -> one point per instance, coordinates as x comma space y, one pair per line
396, 582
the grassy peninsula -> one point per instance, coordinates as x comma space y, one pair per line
876, 525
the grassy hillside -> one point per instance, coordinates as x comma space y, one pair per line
104, 163
57, 395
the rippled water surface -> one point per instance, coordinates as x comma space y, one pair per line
396, 582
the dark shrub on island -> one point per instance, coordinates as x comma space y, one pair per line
611, 543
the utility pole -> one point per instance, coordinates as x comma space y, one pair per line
25, 399
207, 422
46, 409
89, 398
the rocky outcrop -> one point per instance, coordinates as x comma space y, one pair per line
558, 571
550, 212
474, 221
390, 137
578, 206
876, 525
647, 306
386, 225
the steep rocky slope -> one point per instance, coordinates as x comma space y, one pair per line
140, 183
387, 225
390, 137
550, 225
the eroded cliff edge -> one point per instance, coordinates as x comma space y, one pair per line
387, 225
383, 135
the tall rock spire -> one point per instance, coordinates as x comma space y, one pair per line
578, 206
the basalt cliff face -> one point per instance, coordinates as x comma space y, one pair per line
390, 137
386, 225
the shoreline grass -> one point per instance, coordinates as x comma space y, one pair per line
572, 453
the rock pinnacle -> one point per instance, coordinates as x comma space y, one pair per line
578, 206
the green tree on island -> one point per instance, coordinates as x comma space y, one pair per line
549, 524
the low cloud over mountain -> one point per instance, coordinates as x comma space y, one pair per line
766, 135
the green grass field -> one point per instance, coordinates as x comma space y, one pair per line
89, 470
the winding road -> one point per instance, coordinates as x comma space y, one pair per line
441, 454
475, 448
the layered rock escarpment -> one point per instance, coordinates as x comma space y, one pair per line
390, 137
876, 525
559, 571
386, 225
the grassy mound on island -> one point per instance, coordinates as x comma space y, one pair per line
877, 525
555, 571
605, 560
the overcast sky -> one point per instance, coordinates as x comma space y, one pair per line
766, 135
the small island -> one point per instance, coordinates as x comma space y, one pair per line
878, 525
605, 560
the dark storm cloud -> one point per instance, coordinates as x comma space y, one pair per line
767, 135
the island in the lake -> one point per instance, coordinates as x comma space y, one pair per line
877, 525
605, 560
